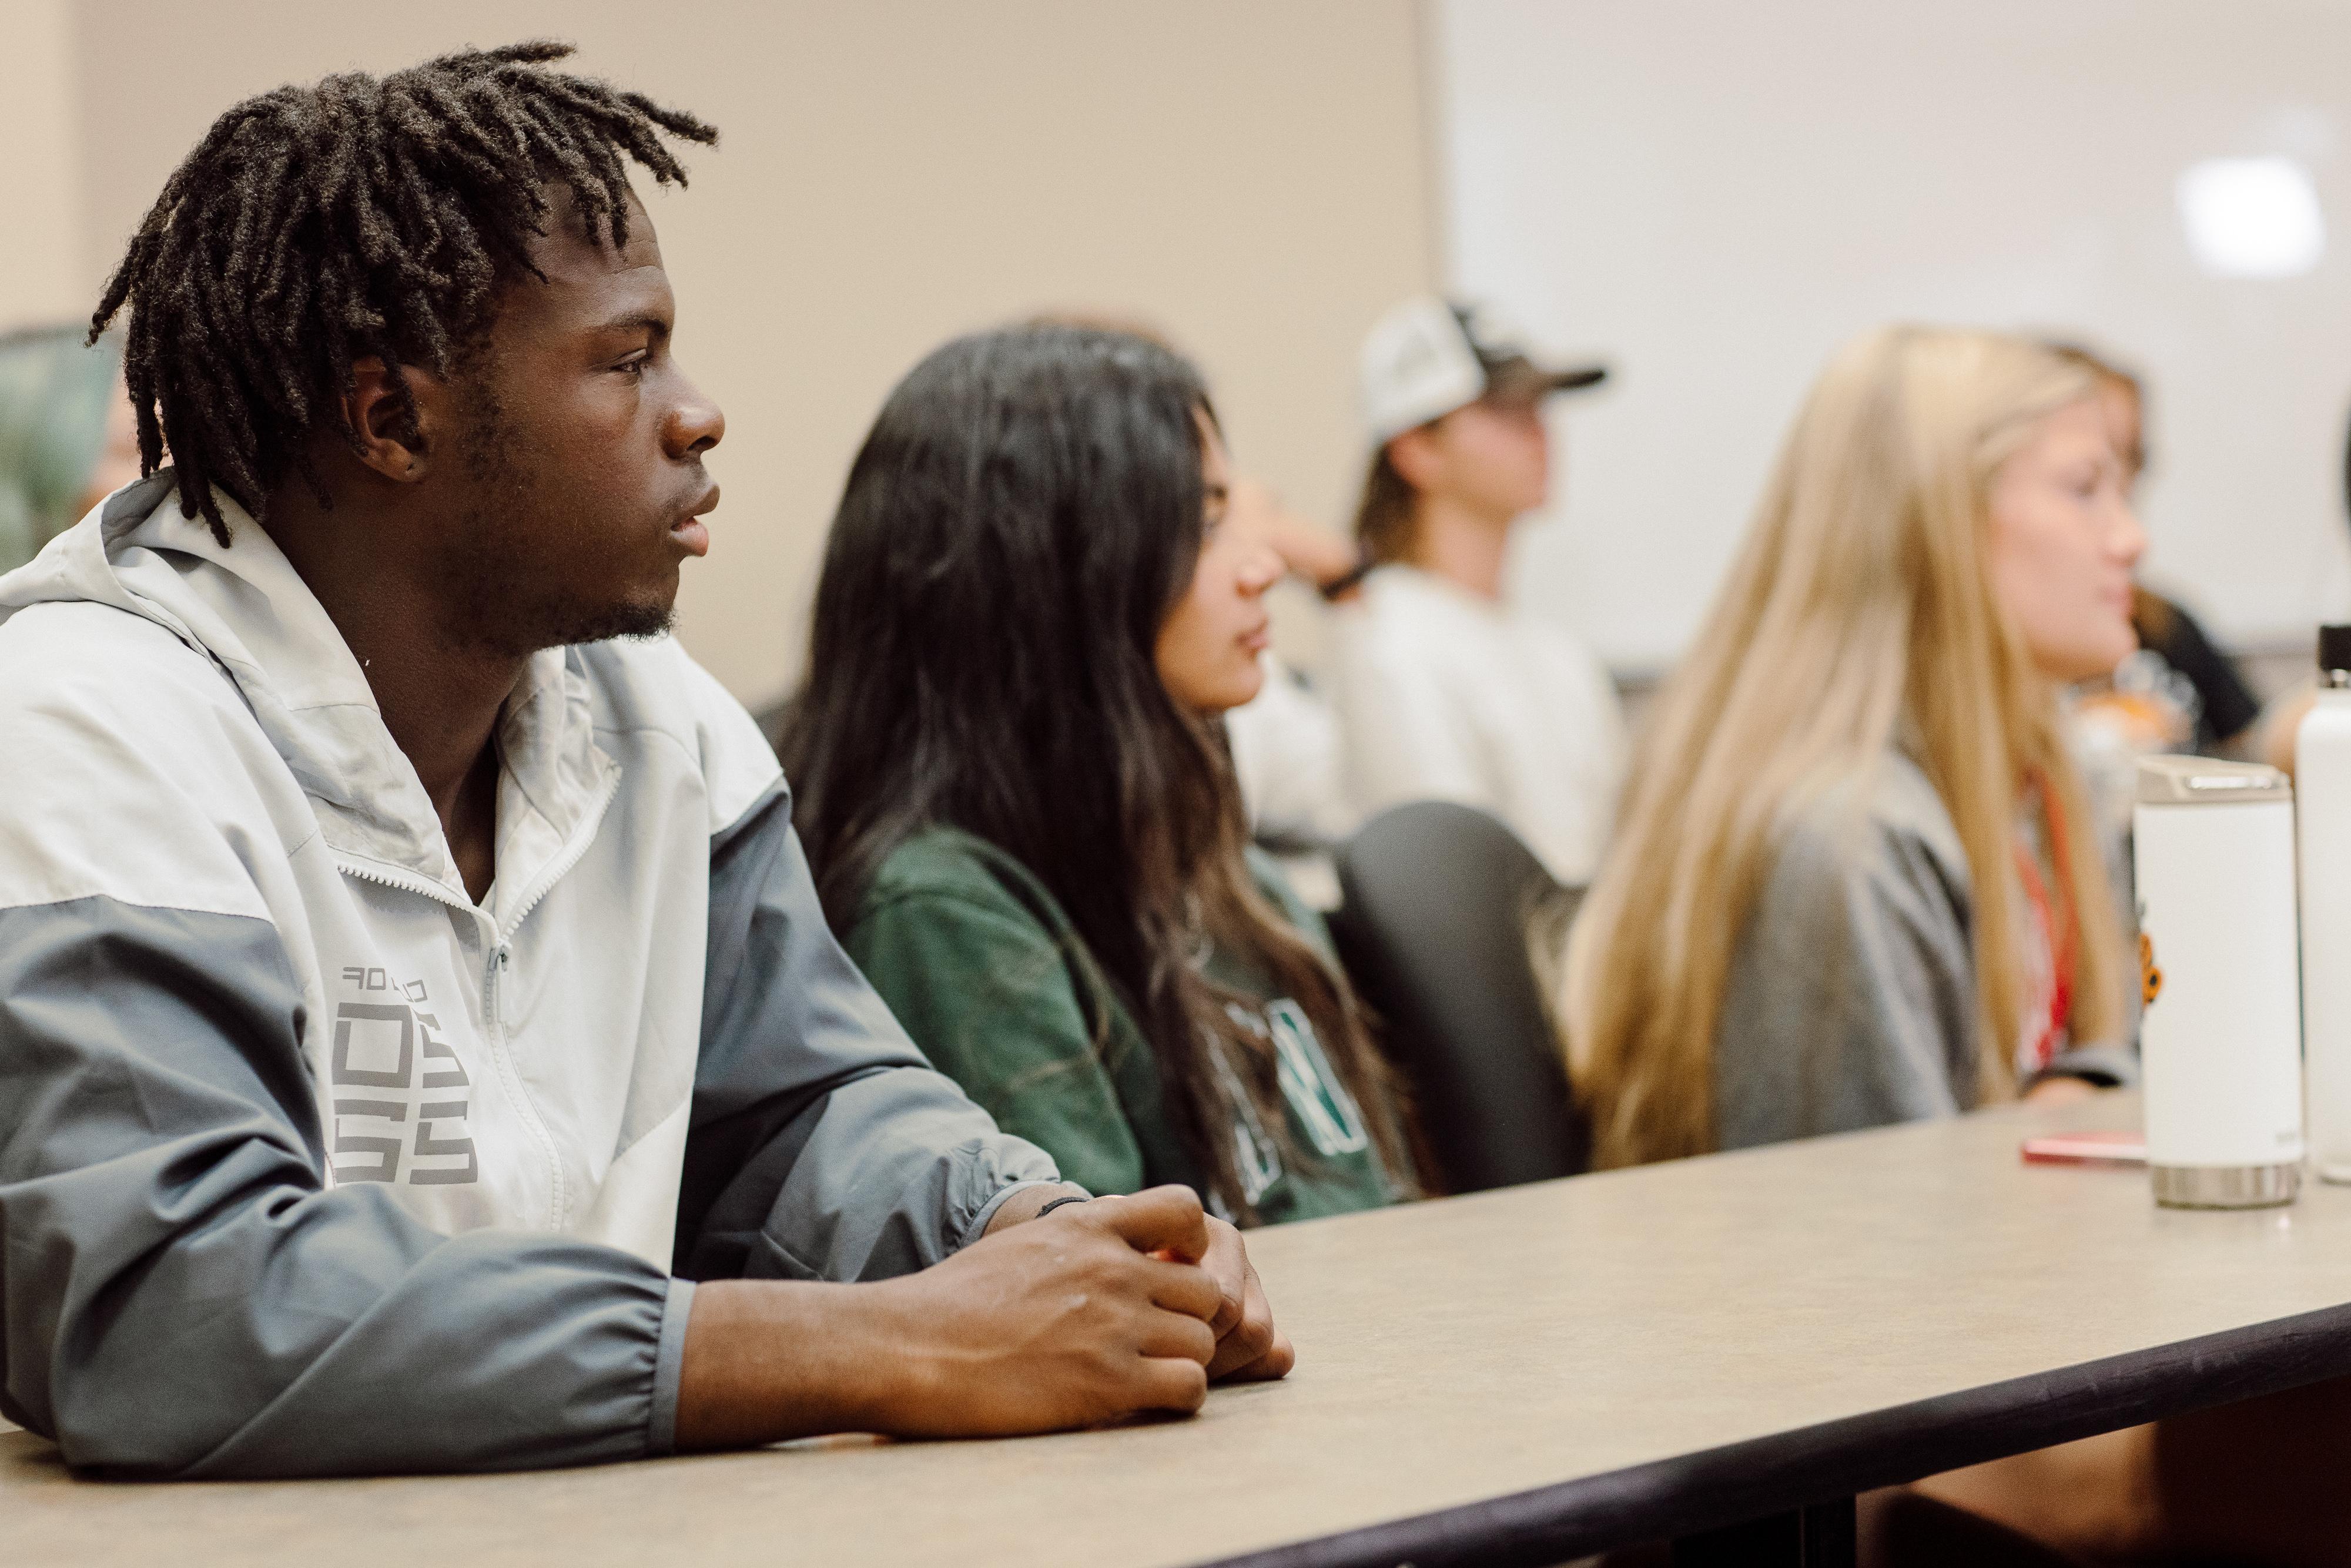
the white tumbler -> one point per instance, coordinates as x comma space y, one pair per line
2220, 1042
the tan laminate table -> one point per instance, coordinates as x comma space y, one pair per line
1530, 1372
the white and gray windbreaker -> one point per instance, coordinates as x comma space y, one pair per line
308, 1163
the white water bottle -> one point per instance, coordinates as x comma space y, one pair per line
2221, 1044
2322, 777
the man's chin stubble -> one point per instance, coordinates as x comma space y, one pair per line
559, 631
641, 622
500, 620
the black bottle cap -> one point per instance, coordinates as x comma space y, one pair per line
2334, 647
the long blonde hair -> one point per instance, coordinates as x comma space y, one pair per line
1859, 609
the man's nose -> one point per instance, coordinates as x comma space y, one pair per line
694, 426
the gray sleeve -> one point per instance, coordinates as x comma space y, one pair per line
823, 1144
1851, 1000
182, 1296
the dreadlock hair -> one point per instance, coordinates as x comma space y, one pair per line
314, 227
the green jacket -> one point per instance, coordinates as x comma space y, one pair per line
987, 973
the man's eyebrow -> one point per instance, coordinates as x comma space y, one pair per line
638, 321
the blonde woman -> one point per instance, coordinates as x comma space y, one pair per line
1855, 882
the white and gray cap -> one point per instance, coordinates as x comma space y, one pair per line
1427, 357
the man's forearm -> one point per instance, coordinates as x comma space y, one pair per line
1034, 1329
770, 1360
767, 1361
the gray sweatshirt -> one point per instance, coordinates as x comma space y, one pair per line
1851, 999
309, 1162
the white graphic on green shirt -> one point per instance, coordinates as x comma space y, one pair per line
1323, 1107
1256, 1155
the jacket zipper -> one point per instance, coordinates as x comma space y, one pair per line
406, 884
501, 959
558, 1196
572, 853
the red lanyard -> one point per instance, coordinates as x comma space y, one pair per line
2056, 937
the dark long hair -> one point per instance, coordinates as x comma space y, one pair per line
1386, 512
1022, 519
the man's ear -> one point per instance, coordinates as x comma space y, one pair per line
393, 414
1415, 457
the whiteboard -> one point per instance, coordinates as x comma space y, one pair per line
1712, 195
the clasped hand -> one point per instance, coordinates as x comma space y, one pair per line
1095, 1312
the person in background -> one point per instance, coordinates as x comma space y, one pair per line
67, 439
2180, 692
1034, 606
1445, 692
1791, 937
1851, 886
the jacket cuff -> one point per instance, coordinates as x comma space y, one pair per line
978, 1225
669, 1367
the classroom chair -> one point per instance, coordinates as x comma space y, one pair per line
1438, 900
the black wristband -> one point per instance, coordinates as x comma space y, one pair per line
1073, 1197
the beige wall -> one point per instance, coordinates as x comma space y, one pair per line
1250, 175
41, 272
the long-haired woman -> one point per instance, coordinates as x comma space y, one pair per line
1013, 788
1856, 882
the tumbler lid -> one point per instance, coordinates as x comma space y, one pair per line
2334, 647
2208, 781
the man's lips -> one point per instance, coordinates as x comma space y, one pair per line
689, 530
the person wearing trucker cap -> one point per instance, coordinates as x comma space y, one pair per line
1446, 691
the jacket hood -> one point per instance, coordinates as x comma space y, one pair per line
246, 608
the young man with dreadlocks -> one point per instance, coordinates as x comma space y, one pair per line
406, 990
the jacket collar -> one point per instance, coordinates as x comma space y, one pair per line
247, 607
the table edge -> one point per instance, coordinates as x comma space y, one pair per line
1807, 1465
